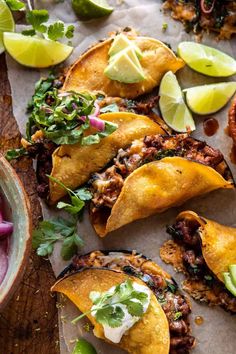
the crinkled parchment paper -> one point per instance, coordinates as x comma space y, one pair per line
217, 333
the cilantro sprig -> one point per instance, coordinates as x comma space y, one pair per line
77, 198
106, 306
51, 231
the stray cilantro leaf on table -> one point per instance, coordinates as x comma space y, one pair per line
15, 153
51, 231
56, 30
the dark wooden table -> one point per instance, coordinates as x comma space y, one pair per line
28, 325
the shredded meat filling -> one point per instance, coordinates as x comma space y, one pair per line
172, 301
106, 186
186, 233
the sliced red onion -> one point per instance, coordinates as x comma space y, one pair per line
207, 11
3, 264
97, 123
97, 109
83, 118
5, 228
1, 217
5, 244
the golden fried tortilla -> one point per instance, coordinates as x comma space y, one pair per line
87, 73
218, 243
149, 335
73, 164
155, 187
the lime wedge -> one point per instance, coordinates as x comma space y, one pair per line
207, 99
7, 23
206, 60
173, 108
35, 52
88, 9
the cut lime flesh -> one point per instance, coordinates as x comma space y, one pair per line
173, 108
89, 9
35, 52
207, 60
7, 23
83, 347
208, 99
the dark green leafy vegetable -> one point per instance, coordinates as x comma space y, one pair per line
15, 153
51, 231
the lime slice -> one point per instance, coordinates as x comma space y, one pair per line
207, 99
206, 60
88, 9
173, 108
83, 347
35, 52
7, 23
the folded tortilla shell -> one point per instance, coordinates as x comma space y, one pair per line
149, 335
155, 187
87, 73
218, 243
73, 164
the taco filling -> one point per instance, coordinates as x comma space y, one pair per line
106, 186
186, 254
174, 304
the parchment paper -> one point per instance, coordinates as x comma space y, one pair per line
217, 334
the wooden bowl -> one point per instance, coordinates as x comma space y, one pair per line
17, 208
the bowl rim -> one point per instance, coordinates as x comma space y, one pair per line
26, 248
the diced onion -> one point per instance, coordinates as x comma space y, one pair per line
97, 123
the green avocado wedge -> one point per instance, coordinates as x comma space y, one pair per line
232, 271
229, 283
122, 42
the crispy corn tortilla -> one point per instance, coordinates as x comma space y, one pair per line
73, 164
149, 335
155, 187
218, 243
87, 73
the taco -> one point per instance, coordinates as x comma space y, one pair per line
152, 175
203, 250
73, 164
87, 73
164, 328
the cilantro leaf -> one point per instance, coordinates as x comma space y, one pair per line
83, 193
110, 315
134, 308
15, 5
36, 18
177, 315
74, 208
15, 153
69, 33
30, 32
51, 231
56, 30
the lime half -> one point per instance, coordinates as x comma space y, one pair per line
173, 108
206, 60
88, 9
207, 99
83, 347
7, 23
35, 52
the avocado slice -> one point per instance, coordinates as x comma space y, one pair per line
229, 284
123, 69
121, 42
232, 271
131, 54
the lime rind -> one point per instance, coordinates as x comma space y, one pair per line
207, 60
173, 108
208, 99
7, 23
35, 52
89, 9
